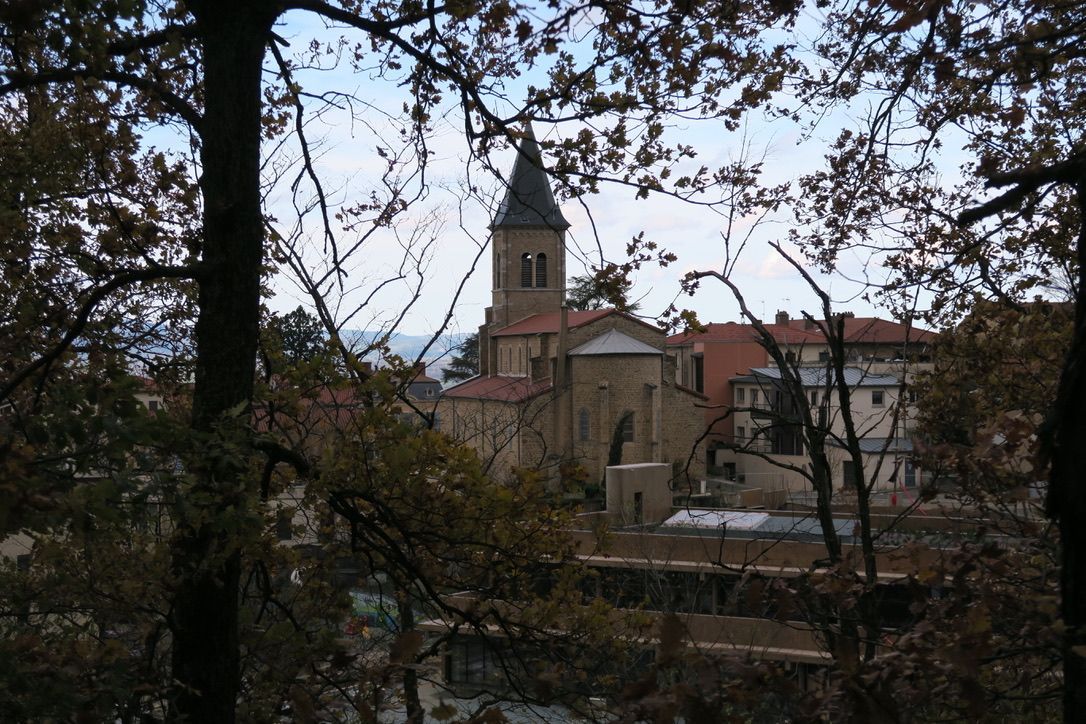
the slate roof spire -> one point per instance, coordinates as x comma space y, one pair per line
528, 199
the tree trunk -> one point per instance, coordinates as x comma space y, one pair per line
413, 706
205, 556
1067, 497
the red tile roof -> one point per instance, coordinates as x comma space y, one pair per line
506, 389
871, 330
875, 330
734, 332
547, 323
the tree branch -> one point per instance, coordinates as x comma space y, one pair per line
1025, 181
177, 104
94, 299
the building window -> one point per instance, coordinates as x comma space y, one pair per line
740, 394
498, 270
877, 399
814, 397
474, 661
740, 434
541, 270
823, 356
848, 471
526, 270
754, 398
627, 427
284, 524
582, 424
153, 405
786, 440
699, 374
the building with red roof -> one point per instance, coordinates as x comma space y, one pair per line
559, 387
717, 358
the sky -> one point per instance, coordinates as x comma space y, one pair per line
450, 231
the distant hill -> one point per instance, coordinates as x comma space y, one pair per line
409, 346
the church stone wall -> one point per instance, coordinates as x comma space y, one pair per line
510, 301
649, 335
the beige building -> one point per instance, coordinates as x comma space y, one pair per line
769, 437
557, 388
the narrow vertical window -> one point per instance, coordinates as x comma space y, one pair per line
526, 270
628, 427
541, 270
498, 270
582, 424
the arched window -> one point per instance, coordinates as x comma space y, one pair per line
627, 423
541, 270
498, 270
526, 270
582, 424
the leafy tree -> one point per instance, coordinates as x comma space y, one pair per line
300, 334
605, 287
136, 232
465, 363
999, 360
1004, 83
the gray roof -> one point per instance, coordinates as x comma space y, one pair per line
528, 199
614, 342
756, 524
816, 377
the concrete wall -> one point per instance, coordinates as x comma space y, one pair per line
639, 493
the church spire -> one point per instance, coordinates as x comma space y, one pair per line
528, 199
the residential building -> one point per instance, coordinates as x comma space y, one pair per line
769, 433
753, 425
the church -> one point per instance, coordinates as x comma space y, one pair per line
557, 389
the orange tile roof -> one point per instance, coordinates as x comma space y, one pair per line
734, 332
548, 322
857, 329
875, 330
505, 389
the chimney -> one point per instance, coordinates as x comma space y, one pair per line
420, 369
782, 317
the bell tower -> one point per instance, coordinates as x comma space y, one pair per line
527, 247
